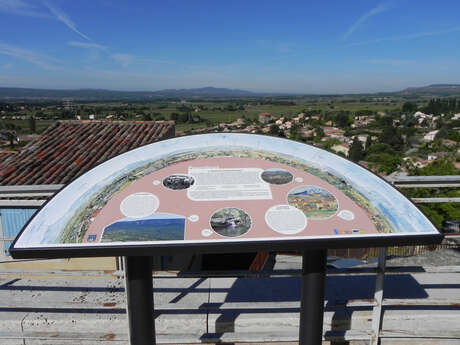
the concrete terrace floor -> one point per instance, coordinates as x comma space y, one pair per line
89, 308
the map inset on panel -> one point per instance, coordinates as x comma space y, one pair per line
222, 187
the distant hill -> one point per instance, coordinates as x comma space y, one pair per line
433, 90
102, 94
207, 92
28, 94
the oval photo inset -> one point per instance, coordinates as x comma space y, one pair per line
276, 176
314, 201
230, 222
139, 205
177, 181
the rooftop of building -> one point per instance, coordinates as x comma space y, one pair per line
67, 149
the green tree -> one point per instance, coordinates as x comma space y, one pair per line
319, 134
392, 137
380, 148
294, 132
368, 142
32, 124
409, 107
356, 152
146, 117
331, 142
342, 119
438, 167
385, 122
442, 134
274, 130
183, 117
384, 162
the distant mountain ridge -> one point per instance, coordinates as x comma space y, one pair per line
102, 94
208, 91
30, 94
434, 89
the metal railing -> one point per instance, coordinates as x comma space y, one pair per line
35, 196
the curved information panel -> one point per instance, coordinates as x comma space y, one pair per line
215, 192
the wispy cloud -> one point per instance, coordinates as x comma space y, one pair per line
408, 36
376, 10
123, 59
8, 66
64, 18
30, 56
128, 59
87, 45
22, 8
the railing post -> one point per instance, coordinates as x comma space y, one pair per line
378, 297
312, 297
139, 299
2, 240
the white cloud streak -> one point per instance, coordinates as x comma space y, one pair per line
123, 59
30, 56
21, 8
376, 10
127, 59
64, 18
87, 45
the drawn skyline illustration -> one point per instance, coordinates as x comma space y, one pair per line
391, 207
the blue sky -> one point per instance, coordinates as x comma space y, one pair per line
329, 46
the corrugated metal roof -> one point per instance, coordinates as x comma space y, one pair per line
13, 220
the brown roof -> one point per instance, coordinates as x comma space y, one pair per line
67, 149
4, 154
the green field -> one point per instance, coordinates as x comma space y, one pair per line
212, 114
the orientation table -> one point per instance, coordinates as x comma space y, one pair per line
222, 193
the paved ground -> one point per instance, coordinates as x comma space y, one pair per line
445, 257
81, 309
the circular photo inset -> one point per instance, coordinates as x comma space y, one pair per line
139, 205
314, 201
276, 176
285, 219
230, 222
178, 181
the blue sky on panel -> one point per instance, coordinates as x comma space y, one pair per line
330, 46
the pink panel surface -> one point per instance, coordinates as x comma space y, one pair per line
177, 202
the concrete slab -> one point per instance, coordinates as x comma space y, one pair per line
75, 264
181, 291
433, 320
264, 304
11, 320
178, 305
191, 310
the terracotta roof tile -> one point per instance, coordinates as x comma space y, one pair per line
70, 148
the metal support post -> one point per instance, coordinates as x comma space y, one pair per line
139, 299
312, 299
378, 297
